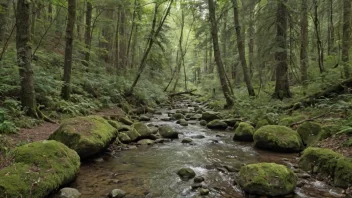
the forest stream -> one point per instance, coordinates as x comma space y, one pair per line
150, 171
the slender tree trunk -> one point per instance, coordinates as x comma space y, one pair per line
122, 40
331, 29
319, 42
251, 31
217, 55
153, 34
241, 50
33, 19
87, 33
282, 88
24, 57
346, 40
50, 12
180, 49
66, 88
304, 42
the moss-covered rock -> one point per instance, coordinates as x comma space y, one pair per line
210, 116
125, 120
203, 123
124, 138
133, 134
38, 169
319, 160
288, 121
343, 173
142, 129
231, 122
217, 124
278, 138
267, 179
182, 122
115, 124
168, 132
86, 135
186, 173
244, 132
178, 116
309, 132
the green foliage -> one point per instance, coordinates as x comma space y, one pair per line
6, 126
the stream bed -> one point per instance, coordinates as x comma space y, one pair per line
150, 171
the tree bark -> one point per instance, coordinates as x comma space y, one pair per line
282, 88
317, 34
331, 29
66, 89
304, 42
87, 34
4, 9
24, 58
217, 55
346, 43
241, 49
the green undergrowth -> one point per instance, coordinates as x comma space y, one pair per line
92, 89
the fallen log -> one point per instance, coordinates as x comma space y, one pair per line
339, 88
185, 92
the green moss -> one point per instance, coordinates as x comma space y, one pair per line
115, 124
217, 124
288, 121
309, 132
262, 122
124, 138
86, 135
328, 131
278, 138
133, 134
178, 116
244, 132
142, 129
267, 179
210, 116
343, 173
168, 132
319, 160
125, 120
38, 169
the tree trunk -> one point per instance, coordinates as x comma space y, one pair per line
331, 29
4, 9
87, 34
304, 42
317, 34
122, 39
50, 12
251, 31
66, 88
24, 58
241, 49
219, 64
282, 88
346, 43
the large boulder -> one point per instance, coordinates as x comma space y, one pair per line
309, 132
267, 179
210, 116
217, 124
86, 135
328, 164
244, 132
278, 138
39, 168
168, 132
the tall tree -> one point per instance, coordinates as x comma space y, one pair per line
217, 55
346, 40
152, 36
241, 49
66, 88
304, 42
4, 8
24, 57
87, 33
282, 87
318, 37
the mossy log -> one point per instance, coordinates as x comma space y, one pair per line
340, 88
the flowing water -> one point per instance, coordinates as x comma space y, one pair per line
150, 171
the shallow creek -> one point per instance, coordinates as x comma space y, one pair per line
150, 171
